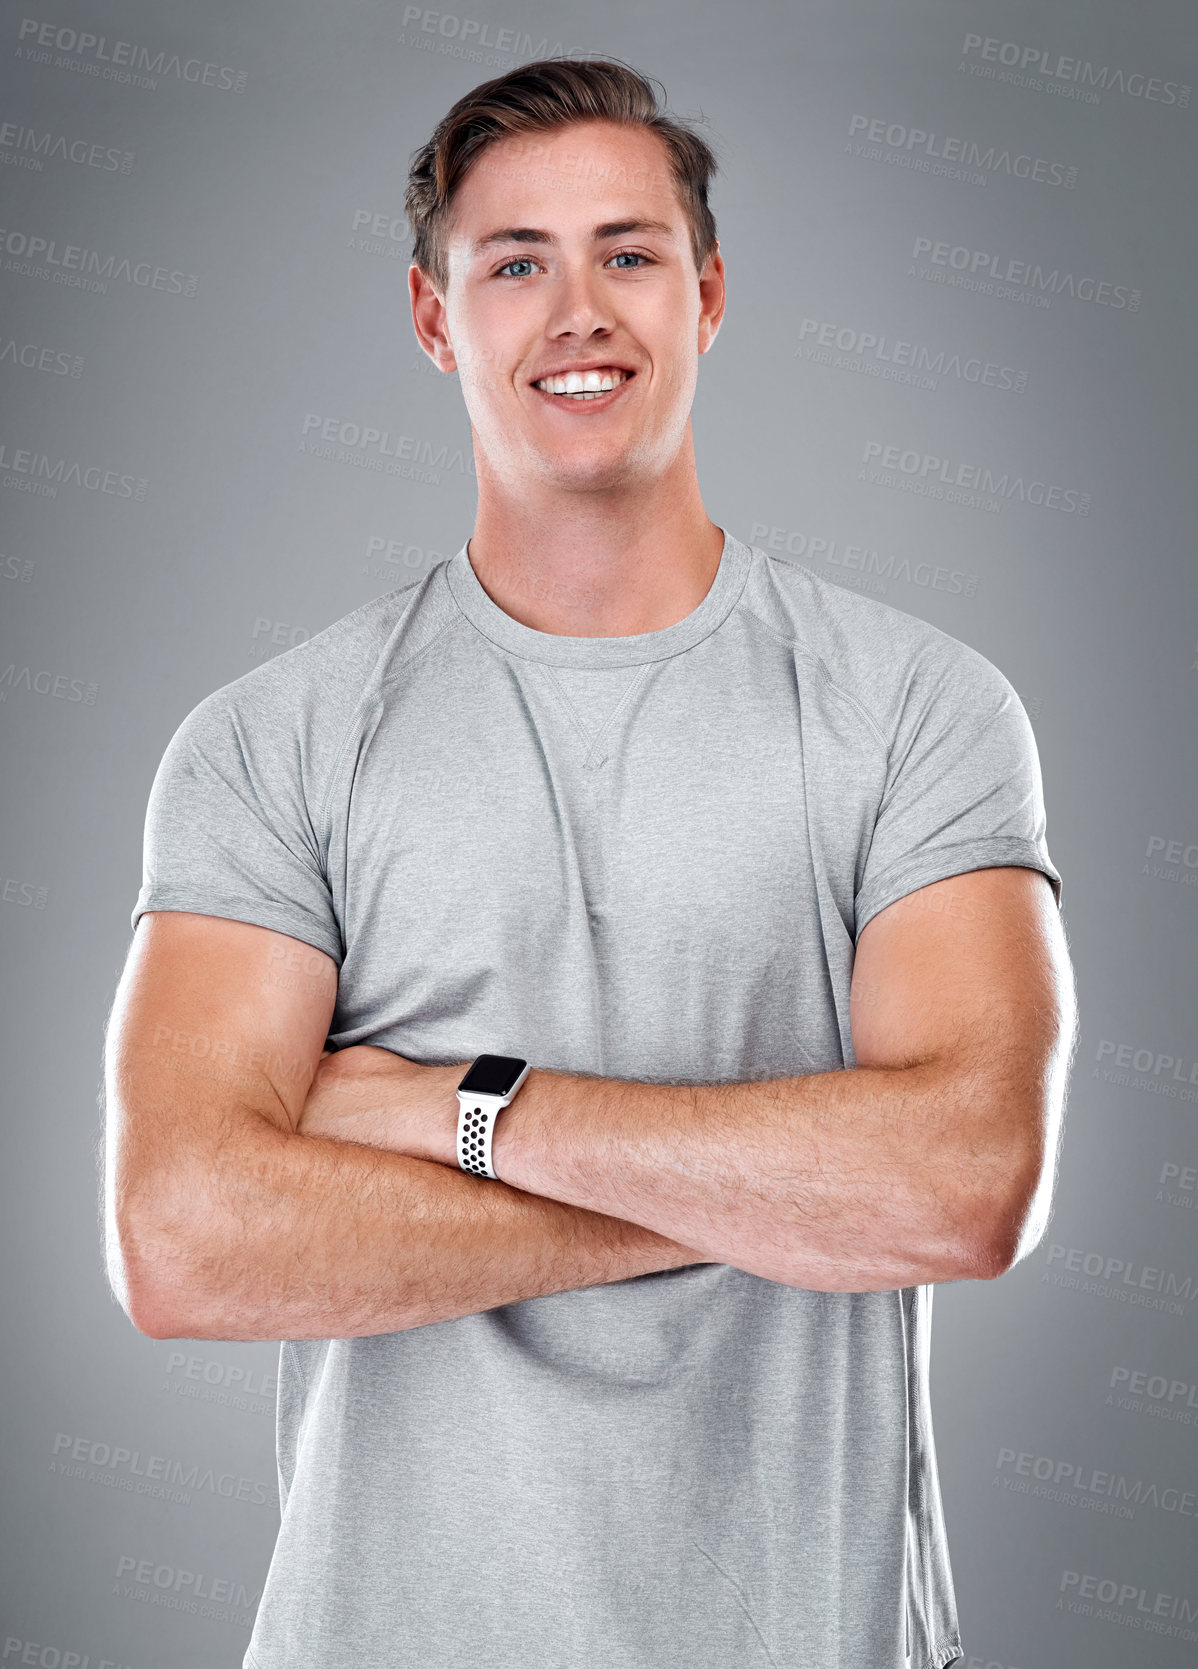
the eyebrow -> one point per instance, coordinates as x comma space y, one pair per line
534, 234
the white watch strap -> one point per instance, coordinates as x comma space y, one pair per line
476, 1126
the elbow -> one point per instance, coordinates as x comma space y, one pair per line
1006, 1226
1015, 1173
158, 1308
148, 1273
995, 1254
155, 1311
144, 1301
152, 1317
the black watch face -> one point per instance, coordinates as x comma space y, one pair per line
492, 1075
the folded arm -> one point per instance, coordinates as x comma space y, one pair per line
932, 1159
223, 1223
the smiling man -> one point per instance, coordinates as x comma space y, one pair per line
586, 999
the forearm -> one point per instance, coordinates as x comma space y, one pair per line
293, 1236
859, 1180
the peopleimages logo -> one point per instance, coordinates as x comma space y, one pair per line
1127, 1067
1014, 277
37, 472
225, 1384
1156, 1394
56, 362
25, 893
386, 558
52, 1657
33, 148
115, 60
868, 565
954, 158
1119, 1278
1110, 1492
1129, 1604
364, 446
1178, 1185
888, 464
157, 1475
1075, 77
469, 38
42, 682
183, 1590
30, 255
1179, 860
844, 347
378, 232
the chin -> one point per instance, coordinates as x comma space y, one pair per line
585, 472
613, 465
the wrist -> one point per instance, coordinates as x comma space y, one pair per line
486, 1095
420, 1129
443, 1130
516, 1128
376, 1098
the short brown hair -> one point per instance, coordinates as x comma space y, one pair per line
536, 98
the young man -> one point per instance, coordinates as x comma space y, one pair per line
633, 1373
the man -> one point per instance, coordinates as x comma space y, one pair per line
639, 1380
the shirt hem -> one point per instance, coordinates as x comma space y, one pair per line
995, 853
256, 912
949, 1651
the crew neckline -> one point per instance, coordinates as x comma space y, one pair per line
561, 650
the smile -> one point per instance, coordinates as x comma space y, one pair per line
584, 387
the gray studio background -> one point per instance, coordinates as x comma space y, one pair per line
957, 370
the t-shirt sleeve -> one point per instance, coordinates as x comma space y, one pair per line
228, 830
963, 785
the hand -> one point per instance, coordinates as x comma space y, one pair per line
380, 1099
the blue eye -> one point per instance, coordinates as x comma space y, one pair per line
620, 255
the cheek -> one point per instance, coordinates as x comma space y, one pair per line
676, 339
474, 352
482, 346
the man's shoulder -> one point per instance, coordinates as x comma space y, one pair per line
326, 677
879, 655
287, 719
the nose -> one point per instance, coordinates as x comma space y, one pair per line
580, 304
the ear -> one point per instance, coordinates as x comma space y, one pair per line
429, 319
711, 298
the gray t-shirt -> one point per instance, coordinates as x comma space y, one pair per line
643, 857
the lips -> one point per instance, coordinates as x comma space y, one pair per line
599, 365
583, 402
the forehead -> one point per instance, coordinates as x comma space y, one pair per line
565, 181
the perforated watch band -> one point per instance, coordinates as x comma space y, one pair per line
477, 1115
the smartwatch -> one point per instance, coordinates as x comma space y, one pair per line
488, 1086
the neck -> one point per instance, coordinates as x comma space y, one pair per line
636, 558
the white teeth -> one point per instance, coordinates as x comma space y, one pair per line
582, 385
